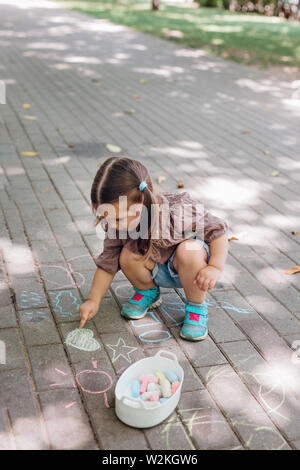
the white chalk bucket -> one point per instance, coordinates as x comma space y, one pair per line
136, 412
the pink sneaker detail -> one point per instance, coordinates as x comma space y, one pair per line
137, 297
194, 316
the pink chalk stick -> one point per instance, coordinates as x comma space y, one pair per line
174, 387
144, 386
149, 378
146, 379
154, 397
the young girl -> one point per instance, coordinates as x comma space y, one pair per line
133, 217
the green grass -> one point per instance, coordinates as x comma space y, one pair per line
248, 38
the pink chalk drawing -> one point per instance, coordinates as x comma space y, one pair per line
70, 404
69, 271
93, 375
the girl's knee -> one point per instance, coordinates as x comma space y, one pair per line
190, 251
127, 258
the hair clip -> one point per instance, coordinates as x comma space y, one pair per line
143, 185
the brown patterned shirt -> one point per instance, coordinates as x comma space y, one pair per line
180, 218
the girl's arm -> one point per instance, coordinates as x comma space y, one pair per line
101, 282
218, 252
208, 276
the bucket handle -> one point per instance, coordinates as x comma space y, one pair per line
140, 402
174, 357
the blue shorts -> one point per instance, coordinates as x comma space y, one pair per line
165, 275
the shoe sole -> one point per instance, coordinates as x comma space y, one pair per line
155, 304
200, 338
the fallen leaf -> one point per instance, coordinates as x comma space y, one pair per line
292, 270
113, 148
71, 146
266, 152
26, 106
137, 96
130, 111
99, 164
246, 132
275, 173
232, 238
293, 232
46, 190
180, 184
161, 179
142, 80
30, 118
29, 154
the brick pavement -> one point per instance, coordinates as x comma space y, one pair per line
221, 128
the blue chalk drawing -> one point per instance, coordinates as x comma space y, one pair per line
158, 340
227, 306
157, 321
35, 316
57, 300
35, 299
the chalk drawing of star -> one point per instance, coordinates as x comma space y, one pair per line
121, 345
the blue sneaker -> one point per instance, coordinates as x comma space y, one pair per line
195, 323
136, 307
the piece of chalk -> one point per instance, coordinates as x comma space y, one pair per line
165, 388
163, 400
174, 387
152, 387
154, 397
135, 388
149, 378
146, 395
171, 376
160, 376
144, 386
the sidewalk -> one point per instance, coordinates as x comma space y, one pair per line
223, 130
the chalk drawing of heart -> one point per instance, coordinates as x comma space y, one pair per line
82, 338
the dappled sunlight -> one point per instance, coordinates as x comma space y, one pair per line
48, 45
256, 235
230, 194
165, 71
18, 257
56, 161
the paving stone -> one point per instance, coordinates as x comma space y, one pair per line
75, 354
108, 318
14, 355
38, 327
246, 416
170, 435
29, 294
66, 421
122, 348
19, 406
200, 353
65, 305
50, 367
270, 344
114, 435
7, 317
206, 424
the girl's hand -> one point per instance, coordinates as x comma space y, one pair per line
207, 277
87, 311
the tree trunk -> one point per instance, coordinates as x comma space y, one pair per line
155, 5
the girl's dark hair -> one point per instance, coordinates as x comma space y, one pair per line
120, 176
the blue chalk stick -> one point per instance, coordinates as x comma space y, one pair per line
135, 388
162, 400
171, 376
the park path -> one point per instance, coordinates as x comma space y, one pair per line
222, 129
